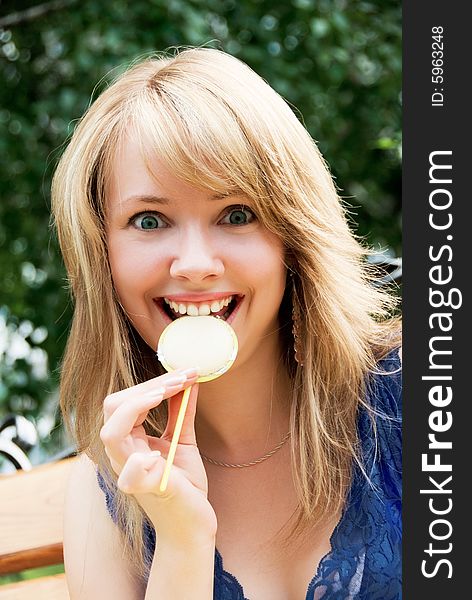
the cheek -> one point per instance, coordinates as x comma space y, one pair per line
263, 264
270, 257
132, 267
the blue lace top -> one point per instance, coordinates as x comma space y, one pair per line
365, 558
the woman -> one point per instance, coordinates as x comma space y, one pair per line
189, 187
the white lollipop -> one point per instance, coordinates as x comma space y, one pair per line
207, 343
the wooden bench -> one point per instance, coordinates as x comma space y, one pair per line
31, 534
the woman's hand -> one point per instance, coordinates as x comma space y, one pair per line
183, 510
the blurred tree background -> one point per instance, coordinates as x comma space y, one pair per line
337, 62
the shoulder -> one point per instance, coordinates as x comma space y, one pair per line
93, 562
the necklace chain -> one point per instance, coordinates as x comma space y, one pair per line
248, 464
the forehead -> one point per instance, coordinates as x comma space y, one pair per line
139, 162
139, 176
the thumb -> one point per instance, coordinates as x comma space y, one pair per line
187, 435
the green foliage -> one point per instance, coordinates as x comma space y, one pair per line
337, 62
32, 574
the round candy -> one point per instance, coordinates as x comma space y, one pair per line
207, 343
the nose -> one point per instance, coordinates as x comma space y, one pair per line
196, 258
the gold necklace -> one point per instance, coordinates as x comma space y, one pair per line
248, 464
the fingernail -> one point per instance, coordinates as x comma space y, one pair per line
189, 373
175, 380
155, 453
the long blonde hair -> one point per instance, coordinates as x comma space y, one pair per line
219, 126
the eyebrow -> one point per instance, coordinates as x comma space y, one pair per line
146, 198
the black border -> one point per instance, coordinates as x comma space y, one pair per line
427, 129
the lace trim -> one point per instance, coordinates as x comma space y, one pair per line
226, 582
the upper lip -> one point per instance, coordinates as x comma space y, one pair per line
199, 296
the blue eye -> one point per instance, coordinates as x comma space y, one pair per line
146, 221
240, 215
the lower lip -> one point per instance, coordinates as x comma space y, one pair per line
230, 319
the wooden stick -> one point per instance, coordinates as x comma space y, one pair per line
175, 439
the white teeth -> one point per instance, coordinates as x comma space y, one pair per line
203, 309
192, 310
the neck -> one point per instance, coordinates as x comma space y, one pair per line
245, 413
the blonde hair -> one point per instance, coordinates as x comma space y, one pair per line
219, 126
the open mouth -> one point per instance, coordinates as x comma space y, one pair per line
223, 308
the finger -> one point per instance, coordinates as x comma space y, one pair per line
187, 435
125, 417
122, 428
113, 401
142, 473
135, 470
117, 433
125, 414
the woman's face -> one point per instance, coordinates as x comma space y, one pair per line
175, 249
